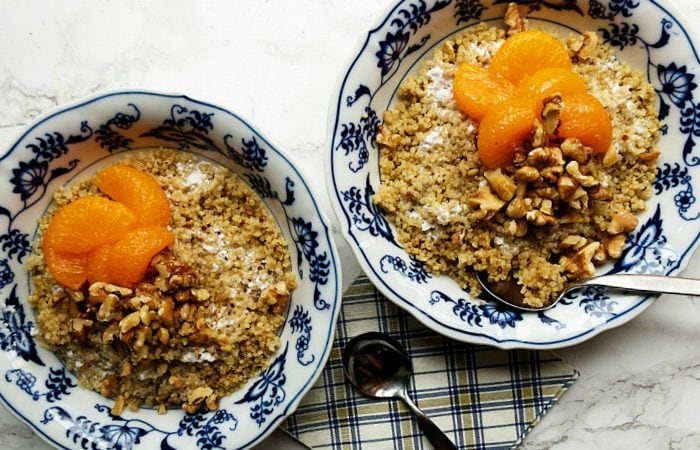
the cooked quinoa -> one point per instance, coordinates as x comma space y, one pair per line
435, 192
206, 317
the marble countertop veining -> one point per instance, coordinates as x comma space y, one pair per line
277, 63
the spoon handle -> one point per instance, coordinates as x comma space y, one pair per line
648, 283
434, 434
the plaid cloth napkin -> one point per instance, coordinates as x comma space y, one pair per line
483, 398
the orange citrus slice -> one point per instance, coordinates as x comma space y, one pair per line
476, 90
97, 267
88, 223
139, 191
551, 81
129, 258
585, 118
527, 52
505, 128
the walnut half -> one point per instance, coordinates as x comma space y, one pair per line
486, 203
514, 19
579, 266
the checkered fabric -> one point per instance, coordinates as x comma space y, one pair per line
483, 398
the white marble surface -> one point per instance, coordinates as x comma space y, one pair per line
277, 62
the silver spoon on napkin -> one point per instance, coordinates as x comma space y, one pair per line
378, 366
508, 291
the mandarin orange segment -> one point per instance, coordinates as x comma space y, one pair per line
476, 90
503, 129
130, 256
97, 267
527, 52
139, 191
88, 223
550, 81
585, 118
67, 269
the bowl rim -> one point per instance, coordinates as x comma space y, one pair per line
621, 318
334, 256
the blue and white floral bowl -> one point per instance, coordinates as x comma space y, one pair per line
70, 143
648, 34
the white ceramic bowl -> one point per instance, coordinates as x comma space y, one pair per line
647, 34
71, 143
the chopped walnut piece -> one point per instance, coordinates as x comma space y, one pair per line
573, 169
550, 113
109, 309
583, 46
517, 208
649, 156
552, 174
521, 228
573, 241
212, 403
546, 193
200, 294
579, 266
600, 193
186, 278
519, 156
448, 49
570, 217
76, 296
538, 218
109, 334
547, 207
514, 19
579, 199
166, 311
526, 174
590, 40
623, 222
611, 157
510, 227
98, 291
567, 187
80, 324
545, 157
486, 203
118, 406
196, 397
163, 335
573, 149
108, 384
142, 334
614, 245
125, 369
600, 255
386, 137
501, 184
538, 137
129, 322
199, 394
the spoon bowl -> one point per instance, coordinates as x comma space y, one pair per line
508, 291
378, 366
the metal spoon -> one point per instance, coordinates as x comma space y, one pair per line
378, 366
508, 291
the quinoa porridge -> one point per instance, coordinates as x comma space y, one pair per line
557, 208
205, 317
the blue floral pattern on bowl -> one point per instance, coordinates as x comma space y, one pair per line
73, 143
648, 34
